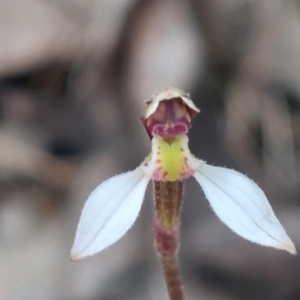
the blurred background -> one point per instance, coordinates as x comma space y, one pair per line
73, 78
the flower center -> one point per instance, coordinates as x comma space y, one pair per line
171, 118
170, 159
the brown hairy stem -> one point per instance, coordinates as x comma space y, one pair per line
166, 221
171, 273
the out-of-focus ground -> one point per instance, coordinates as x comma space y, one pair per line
73, 77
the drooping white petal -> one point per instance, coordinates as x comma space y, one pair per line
242, 206
167, 94
109, 212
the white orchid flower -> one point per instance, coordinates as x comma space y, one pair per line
114, 205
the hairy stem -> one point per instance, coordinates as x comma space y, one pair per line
171, 273
166, 222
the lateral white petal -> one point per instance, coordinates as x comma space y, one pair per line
109, 212
242, 206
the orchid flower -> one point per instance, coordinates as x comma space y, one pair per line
114, 205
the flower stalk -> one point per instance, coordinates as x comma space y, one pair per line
166, 223
171, 273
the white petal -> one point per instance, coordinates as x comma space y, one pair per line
167, 94
242, 206
109, 212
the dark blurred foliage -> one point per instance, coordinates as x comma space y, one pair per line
73, 77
